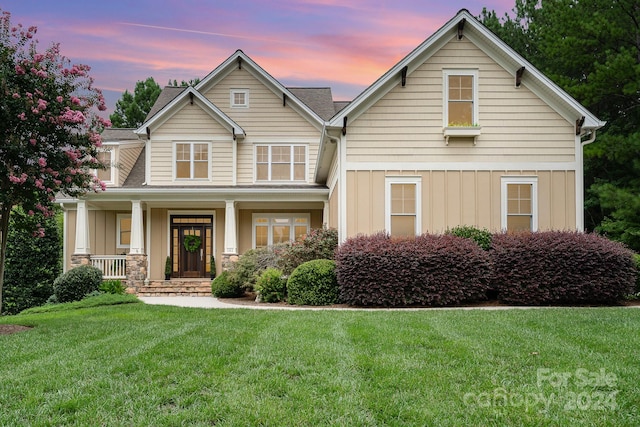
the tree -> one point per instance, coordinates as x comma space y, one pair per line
131, 110
49, 128
191, 82
591, 48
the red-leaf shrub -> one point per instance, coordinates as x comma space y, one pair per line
429, 270
560, 267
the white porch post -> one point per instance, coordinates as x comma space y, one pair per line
137, 234
325, 214
230, 231
82, 246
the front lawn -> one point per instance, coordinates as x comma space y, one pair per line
141, 365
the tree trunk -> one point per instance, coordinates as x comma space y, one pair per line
5, 212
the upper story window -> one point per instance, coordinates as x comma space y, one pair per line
106, 158
192, 160
239, 98
461, 96
281, 162
402, 207
519, 204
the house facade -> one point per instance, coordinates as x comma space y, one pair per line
462, 131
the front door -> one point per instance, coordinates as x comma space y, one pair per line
191, 246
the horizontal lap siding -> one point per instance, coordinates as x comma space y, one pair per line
126, 159
452, 198
191, 124
406, 124
266, 120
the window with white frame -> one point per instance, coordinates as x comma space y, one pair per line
461, 96
402, 206
192, 160
239, 98
106, 158
519, 204
281, 162
123, 230
271, 229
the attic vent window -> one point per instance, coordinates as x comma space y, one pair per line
239, 98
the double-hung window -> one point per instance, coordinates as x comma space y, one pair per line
461, 94
519, 203
271, 229
281, 162
402, 206
123, 231
192, 160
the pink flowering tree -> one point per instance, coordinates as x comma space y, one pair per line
49, 128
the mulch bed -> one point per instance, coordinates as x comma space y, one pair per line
12, 329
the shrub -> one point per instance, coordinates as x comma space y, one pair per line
637, 261
481, 236
429, 270
113, 287
223, 287
318, 244
32, 263
313, 283
271, 285
76, 283
558, 267
251, 264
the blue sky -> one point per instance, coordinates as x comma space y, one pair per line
344, 44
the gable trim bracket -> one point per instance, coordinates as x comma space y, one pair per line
284, 99
404, 75
461, 28
579, 124
239, 63
148, 133
519, 74
344, 126
191, 98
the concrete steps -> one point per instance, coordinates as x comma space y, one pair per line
176, 287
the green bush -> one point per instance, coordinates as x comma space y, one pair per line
636, 257
313, 283
271, 285
113, 287
481, 236
32, 263
223, 287
76, 283
251, 264
318, 244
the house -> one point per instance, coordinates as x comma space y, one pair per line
462, 131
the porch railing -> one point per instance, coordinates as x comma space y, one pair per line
112, 266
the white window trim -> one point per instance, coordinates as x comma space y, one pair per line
232, 93
191, 161
445, 94
119, 217
112, 151
272, 216
506, 180
387, 200
269, 163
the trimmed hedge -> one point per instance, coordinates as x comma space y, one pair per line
271, 286
77, 283
223, 287
429, 270
637, 260
313, 283
559, 267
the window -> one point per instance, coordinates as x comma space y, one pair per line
192, 160
105, 175
402, 207
239, 98
281, 163
461, 108
519, 204
123, 230
271, 229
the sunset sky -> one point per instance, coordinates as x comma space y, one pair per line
344, 44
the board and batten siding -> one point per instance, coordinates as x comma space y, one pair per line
453, 198
191, 124
265, 121
406, 124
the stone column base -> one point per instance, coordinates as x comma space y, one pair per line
136, 270
228, 260
80, 259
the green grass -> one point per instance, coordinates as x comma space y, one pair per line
142, 365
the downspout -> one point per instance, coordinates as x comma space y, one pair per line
591, 139
580, 183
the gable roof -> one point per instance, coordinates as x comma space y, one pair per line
118, 134
495, 48
319, 99
240, 59
167, 95
190, 95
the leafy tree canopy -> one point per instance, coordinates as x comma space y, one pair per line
131, 110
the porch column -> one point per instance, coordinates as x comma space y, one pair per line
82, 246
230, 253
137, 234
325, 214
